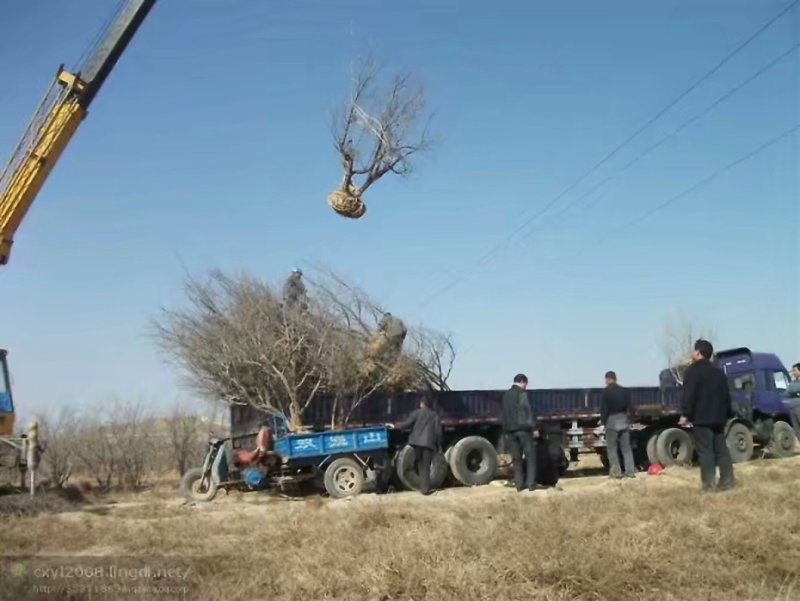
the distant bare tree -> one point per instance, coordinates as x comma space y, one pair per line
59, 436
377, 131
679, 334
185, 431
132, 437
239, 344
94, 447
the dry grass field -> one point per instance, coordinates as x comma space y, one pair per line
656, 537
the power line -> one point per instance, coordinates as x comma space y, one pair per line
777, 60
693, 188
713, 176
489, 255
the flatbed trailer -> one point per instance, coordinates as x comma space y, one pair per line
570, 419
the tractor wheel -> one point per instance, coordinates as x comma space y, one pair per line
193, 488
344, 477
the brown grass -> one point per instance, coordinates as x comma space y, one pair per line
653, 538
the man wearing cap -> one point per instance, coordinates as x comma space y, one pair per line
519, 424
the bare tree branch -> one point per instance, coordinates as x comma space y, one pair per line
236, 342
377, 131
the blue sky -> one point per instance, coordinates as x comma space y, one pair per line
209, 147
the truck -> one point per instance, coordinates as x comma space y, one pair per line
569, 420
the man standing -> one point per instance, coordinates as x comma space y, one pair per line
425, 439
792, 401
706, 407
518, 427
614, 409
295, 295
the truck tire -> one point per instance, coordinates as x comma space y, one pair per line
740, 442
192, 489
652, 454
473, 461
344, 477
408, 476
783, 440
674, 447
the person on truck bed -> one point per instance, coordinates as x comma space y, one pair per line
425, 439
706, 407
295, 295
792, 401
519, 429
615, 406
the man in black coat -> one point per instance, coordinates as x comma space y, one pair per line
519, 424
706, 407
615, 407
425, 439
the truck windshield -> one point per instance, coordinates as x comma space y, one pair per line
780, 380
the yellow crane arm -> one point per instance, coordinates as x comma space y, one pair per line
41, 145
54, 122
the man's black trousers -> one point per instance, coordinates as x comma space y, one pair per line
713, 453
521, 447
423, 456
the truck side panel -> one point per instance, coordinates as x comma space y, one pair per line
475, 407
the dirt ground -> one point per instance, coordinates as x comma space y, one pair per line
655, 537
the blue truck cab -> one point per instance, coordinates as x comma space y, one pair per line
758, 381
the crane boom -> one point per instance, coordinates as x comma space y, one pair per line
56, 119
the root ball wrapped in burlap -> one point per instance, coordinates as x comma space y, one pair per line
347, 204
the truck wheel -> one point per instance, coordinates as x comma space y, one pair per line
652, 454
192, 488
344, 477
740, 442
408, 475
674, 447
473, 461
783, 440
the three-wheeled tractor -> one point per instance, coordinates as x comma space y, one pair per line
339, 459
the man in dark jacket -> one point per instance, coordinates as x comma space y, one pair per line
706, 407
519, 423
615, 406
425, 439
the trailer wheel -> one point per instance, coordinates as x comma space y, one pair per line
344, 477
783, 440
674, 447
740, 442
193, 488
408, 476
652, 454
473, 461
